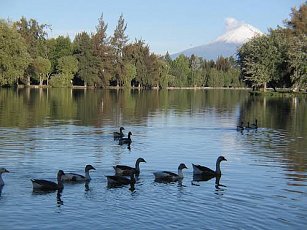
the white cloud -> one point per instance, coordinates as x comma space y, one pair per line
232, 23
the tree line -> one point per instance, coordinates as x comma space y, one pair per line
29, 57
279, 58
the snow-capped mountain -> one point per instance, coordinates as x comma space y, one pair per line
237, 33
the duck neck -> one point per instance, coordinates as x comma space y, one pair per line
137, 166
60, 182
87, 175
180, 173
1, 180
218, 168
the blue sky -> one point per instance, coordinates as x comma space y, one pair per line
166, 25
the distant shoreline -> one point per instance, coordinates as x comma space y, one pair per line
269, 92
134, 88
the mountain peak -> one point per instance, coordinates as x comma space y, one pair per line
239, 35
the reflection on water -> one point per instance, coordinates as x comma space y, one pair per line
44, 130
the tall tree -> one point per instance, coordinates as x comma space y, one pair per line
35, 36
118, 42
57, 48
14, 57
42, 67
298, 21
66, 68
103, 51
87, 61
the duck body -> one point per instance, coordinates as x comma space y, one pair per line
248, 127
199, 170
240, 127
74, 177
2, 170
126, 140
205, 171
255, 125
167, 176
46, 185
119, 134
124, 170
117, 181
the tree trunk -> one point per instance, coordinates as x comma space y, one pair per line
40, 81
264, 87
28, 81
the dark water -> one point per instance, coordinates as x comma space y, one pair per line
263, 185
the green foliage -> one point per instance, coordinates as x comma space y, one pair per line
180, 69
298, 22
61, 80
14, 57
279, 58
41, 67
103, 51
67, 65
34, 35
57, 48
87, 62
130, 74
118, 42
297, 54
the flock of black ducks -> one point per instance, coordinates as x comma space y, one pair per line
124, 175
253, 126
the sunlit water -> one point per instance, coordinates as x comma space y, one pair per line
263, 185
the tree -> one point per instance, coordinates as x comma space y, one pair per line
66, 68
118, 42
35, 36
130, 74
57, 48
195, 78
257, 58
41, 67
67, 65
298, 22
180, 69
297, 60
14, 57
87, 61
103, 51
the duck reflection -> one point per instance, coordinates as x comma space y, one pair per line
217, 182
59, 192
58, 197
1, 187
201, 177
87, 186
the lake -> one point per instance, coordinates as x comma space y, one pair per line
263, 182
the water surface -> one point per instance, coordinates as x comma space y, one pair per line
263, 185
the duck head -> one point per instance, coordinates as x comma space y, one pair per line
89, 167
221, 158
141, 160
60, 174
121, 128
3, 170
182, 166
